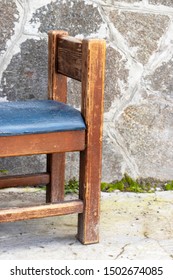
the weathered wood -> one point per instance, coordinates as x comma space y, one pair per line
66, 55
41, 211
69, 58
24, 180
57, 90
93, 55
42, 143
57, 83
56, 168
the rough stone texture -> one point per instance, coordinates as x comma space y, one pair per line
74, 93
74, 16
141, 31
26, 75
161, 2
138, 126
116, 76
160, 82
110, 164
23, 165
9, 16
145, 129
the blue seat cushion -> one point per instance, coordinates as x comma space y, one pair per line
38, 116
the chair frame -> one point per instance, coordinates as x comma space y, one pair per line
83, 60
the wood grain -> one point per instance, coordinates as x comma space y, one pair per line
56, 169
42, 143
69, 57
41, 211
24, 180
93, 55
57, 83
57, 90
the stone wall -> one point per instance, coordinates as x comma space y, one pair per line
138, 120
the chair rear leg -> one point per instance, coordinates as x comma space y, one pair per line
56, 169
89, 192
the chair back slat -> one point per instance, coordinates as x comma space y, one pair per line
69, 57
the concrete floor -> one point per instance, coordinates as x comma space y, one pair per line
133, 226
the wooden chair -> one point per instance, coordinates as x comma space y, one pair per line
52, 127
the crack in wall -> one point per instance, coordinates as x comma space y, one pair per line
130, 162
163, 53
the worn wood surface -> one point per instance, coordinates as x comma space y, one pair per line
69, 59
41, 211
24, 180
57, 90
42, 143
93, 54
57, 83
66, 55
56, 169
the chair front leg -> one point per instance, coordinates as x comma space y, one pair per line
89, 192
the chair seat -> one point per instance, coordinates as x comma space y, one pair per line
38, 116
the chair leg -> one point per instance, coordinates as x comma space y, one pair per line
89, 192
56, 169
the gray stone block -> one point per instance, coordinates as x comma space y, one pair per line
77, 17
147, 133
26, 75
9, 16
116, 75
141, 31
160, 81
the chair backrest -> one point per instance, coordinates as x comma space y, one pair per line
83, 60
69, 57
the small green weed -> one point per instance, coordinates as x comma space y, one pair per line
127, 184
72, 186
4, 171
169, 186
